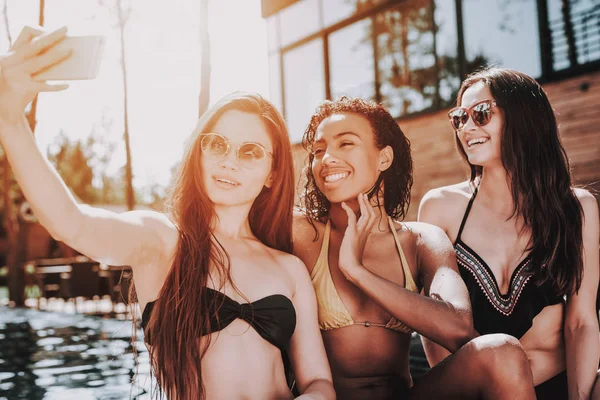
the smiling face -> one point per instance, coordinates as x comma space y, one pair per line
482, 144
346, 158
227, 182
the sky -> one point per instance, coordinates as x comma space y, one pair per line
163, 60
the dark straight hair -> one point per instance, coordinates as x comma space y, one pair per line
539, 172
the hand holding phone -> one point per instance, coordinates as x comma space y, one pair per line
83, 63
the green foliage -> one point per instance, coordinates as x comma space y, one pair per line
71, 160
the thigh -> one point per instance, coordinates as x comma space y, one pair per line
454, 377
490, 366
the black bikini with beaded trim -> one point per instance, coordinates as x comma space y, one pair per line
511, 313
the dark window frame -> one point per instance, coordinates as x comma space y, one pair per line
548, 74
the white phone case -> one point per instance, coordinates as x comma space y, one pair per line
83, 63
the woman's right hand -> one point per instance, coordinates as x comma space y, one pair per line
32, 53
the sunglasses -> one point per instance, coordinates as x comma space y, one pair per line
249, 155
481, 113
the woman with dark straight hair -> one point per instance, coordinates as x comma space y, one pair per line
378, 279
224, 303
525, 238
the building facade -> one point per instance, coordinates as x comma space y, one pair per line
411, 56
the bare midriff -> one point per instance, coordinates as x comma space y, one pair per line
368, 362
544, 344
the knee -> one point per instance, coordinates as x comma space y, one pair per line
501, 357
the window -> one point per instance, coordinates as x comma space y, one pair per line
502, 32
304, 85
272, 33
407, 60
574, 32
446, 44
405, 53
298, 21
337, 10
351, 61
275, 81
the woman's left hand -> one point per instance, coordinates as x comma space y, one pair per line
355, 237
32, 53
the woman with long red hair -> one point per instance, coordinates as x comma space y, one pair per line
224, 303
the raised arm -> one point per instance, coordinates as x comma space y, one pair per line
432, 210
126, 239
444, 314
581, 320
307, 353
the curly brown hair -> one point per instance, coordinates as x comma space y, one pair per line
397, 179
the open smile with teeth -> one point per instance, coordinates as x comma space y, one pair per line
475, 142
223, 180
335, 177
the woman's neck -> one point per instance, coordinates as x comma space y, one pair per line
495, 190
338, 217
232, 222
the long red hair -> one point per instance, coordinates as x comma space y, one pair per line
180, 316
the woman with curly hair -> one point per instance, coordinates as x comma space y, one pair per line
224, 303
378, 279
525, 239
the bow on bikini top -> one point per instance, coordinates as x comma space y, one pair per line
273, 317
333, 314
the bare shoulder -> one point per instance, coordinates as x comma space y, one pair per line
158, 223
429, 236
152, 219
307, 238
443, 206
447, 196
306, 229
294, 267
589, 204
586, 199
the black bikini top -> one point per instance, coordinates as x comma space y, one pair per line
494, 312
273, 317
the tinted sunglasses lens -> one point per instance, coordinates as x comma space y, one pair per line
250, 155
481, 114
214, 145
458, 118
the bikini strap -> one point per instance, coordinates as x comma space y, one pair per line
464, 220
409, 282
324, 252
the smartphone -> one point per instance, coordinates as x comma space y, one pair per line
84, 62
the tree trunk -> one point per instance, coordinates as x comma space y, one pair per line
15, 235
128, 169
204, 98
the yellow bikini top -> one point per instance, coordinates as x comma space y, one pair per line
332, 311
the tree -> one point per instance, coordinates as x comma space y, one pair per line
101, 151
413, 74
15, 235
123, 18
72, 161
204, 97
123, 13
